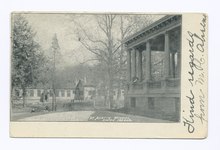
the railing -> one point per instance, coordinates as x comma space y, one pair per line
173, 82
138, 86
154, 84
151, 84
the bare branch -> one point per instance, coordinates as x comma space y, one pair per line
88, 36
93, 50
100, 24
95, 59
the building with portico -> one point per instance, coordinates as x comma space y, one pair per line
154, 69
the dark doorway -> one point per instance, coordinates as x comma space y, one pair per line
133, 102
151, 103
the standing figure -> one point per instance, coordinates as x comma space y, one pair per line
42, 97
46, 96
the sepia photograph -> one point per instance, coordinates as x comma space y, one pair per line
95, 67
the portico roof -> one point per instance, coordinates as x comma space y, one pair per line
160, 26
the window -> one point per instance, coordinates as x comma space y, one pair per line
39, 93
81, 92
63, 93
27, 93
90, 92
101, 92
94, 92
133, 102
51, 93
150, 103
68, 93
57, 93
31, 93
122, 93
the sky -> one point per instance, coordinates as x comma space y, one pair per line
47, 25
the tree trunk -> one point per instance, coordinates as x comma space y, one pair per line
13, 95
110, 70
111, 93
24, 96
54, 100
110, 86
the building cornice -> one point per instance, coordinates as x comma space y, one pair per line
162, 25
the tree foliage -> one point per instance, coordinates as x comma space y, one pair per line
26, 54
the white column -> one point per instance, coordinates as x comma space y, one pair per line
133, 63
178, 68
129, 64
148, 61
172, 65
167, 56
139, 53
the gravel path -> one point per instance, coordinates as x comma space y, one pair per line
92, 116
61, 116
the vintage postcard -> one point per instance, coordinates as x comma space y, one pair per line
109, 75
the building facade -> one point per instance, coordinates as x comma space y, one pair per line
153, 89
89, 92
34, 95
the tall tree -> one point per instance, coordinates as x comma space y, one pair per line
105, 48
56, 55
105, 41
26, 55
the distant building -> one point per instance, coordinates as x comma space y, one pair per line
81, 92
89, 92
33, 95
